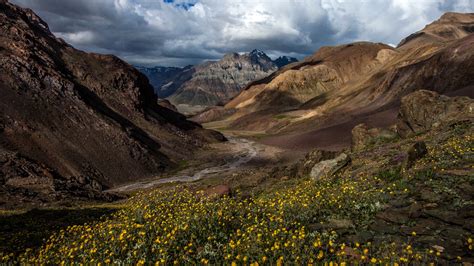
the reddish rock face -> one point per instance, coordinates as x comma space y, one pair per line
83, 116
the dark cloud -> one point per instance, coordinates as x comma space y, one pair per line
181, 32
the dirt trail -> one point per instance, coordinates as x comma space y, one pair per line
245, 150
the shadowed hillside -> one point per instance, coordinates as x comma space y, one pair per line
73, 122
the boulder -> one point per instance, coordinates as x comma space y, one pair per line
416, 152
359, 137
329, 167
313, 158
340, 224
424, 110
362, 136
303, 167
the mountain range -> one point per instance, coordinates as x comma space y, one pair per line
337, 87
212, 82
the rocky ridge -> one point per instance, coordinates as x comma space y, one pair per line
80, 120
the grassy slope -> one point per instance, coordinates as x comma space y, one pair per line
373, 211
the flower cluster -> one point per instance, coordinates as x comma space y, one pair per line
286, 225
180, 226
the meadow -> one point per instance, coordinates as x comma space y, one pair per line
300, 221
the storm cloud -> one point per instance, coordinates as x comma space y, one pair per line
181, 32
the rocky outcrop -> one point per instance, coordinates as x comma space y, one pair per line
303, 167
362, 136
91, 119
330, 167
424, 110
419, 112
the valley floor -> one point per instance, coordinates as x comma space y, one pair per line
235, 155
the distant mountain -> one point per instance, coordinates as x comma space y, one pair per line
217, 82
213, 82
160, 77
74, 123
284, 60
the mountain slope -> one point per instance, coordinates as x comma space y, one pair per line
326, 70
448, 27
329, 92
162, 78
85, 119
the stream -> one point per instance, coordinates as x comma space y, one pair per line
244, 150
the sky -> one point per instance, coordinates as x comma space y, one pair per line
182, 32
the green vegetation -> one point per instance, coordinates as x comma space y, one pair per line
391, 174
184, 227
298, 221
281, 116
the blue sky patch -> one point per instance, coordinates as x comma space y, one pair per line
184, 5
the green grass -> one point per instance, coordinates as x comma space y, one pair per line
29, 229
391, 174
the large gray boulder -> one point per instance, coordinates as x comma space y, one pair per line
328, 168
